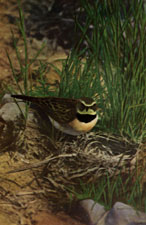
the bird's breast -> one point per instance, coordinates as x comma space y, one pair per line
83, 126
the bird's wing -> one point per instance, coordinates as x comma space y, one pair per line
62, 110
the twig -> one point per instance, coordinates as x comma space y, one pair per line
38, 164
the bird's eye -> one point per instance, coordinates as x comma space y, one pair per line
81, 107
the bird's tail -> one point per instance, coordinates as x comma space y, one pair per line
27, 98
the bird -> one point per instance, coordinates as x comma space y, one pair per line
71, 116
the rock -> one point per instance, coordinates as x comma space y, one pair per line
6, 98
10, 111
122, 214
93, 211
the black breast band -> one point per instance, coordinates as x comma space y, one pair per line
86, 118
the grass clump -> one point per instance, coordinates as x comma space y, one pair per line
24, 64
107, 63
111, 66
116, 48
110, 190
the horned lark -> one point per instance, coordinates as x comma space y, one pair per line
71, 116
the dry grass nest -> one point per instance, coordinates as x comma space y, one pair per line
78, 159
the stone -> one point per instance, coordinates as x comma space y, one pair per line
122, 214
92, 210
9, 110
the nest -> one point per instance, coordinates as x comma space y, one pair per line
80, 159
86, 159
64, 161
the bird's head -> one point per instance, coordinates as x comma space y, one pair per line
86, 106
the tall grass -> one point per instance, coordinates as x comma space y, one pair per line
112, 65
110, 190
107, 63
25, 64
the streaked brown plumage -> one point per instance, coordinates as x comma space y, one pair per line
78, 115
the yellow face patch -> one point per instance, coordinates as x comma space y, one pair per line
88, 111
86, 108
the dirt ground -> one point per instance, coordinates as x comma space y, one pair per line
19, 203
